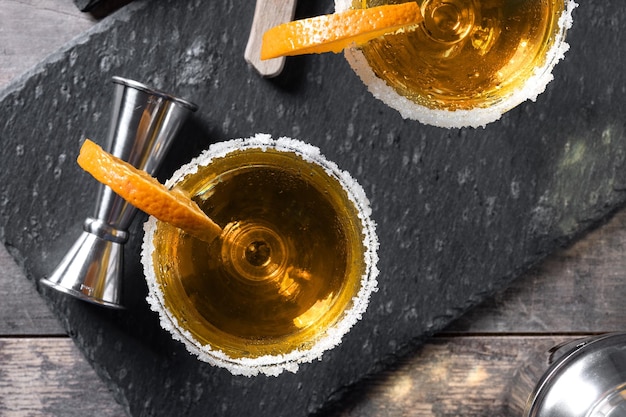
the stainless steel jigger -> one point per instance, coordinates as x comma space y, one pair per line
143, 124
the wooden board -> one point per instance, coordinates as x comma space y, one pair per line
420, 381
33, 29
45, 377
578, 290
22, 310
603, 132
448, 377
451, 377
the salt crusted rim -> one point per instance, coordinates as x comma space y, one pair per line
477, 117
271, 365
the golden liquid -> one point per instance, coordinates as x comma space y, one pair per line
288, 263
466, 53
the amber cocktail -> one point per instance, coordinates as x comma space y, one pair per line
468, 62
292, 270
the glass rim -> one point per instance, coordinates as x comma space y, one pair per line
153, 91
271, 365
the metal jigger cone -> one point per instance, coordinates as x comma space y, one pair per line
143, 124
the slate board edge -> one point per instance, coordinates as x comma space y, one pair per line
123, 14
18, 83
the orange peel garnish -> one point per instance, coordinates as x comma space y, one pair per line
146, 192
337, 31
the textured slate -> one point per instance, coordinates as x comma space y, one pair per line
460, 213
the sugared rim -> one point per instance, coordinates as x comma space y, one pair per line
477, 117
271, 365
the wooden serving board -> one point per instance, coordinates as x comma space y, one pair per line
460, 213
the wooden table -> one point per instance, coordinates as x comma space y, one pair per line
462, 371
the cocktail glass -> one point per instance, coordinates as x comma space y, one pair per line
468, 62
292, 271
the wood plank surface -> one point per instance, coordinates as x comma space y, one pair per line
473, 376
464, 371
32, 29
47, 377
448, 378
44, 375
22, 310
267, 14
578, 290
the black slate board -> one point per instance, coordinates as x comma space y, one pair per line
86, 5
99, 7
460, 213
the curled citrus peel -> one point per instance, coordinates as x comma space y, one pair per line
335, 32
146, 193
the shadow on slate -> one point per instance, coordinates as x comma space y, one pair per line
460, 212
86, 5
100, 8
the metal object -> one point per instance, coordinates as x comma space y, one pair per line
587, 378
144, 122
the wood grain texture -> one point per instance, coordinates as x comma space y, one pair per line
465, 372
22, 310
452, 377
449, 377
46, 377
579, 289
267, 14
32, 29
